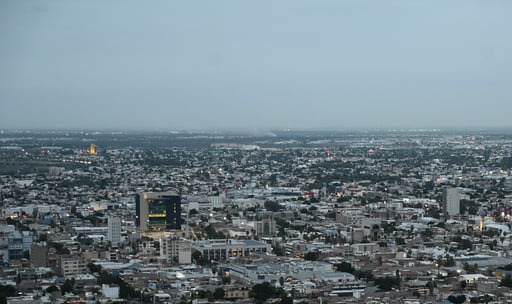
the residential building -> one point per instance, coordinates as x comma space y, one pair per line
350, 216
72, 264
39, 254
176, 250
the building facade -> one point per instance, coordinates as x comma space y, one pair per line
114, 230
72, 264
39, 254
158, 211
350, 216
176, 250
222, 249
451, 202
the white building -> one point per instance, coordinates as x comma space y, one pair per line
114, 230
176, 250
350, 216
222, 249
110, 292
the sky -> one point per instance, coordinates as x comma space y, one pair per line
168, 65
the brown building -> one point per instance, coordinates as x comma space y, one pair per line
72, 264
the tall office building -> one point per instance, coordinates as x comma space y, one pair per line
114, 230
158, 211
451, 201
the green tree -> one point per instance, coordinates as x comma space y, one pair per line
93, 268
387, 283
6, 291
506, 282
457, 299
311, 256
68, 286
52, 288
345, 267
273, 206
399, 241
262, 292
219, 293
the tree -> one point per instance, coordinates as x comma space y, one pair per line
197, 257
68, 286
226, 280
364, 274
449, 262
387, 283
6, 291
463, 284
311, 256
219, 293
399, 241
457, 299
93, 268
506, 282
277, 250
262, 292
345, 267
272, 206
52, 288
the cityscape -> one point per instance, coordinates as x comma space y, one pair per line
361, 216
255, 152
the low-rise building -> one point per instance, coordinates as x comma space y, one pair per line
222, 249
176, 250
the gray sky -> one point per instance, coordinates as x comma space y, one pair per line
255, 64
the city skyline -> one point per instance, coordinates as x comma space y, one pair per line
244, 66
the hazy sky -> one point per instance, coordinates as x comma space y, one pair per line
255, 64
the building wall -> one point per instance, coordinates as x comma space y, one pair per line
351, 217
72, 265
114, 230
451, 201
39, 255
176, 250
110, 292
236, 294
223, 249
145, 202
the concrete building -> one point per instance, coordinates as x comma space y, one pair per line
39, 255
350, 216
451, 202
222, 249
158, 211
265, 227
19, 242
72, 264
110, 292
114, 230
176, 250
